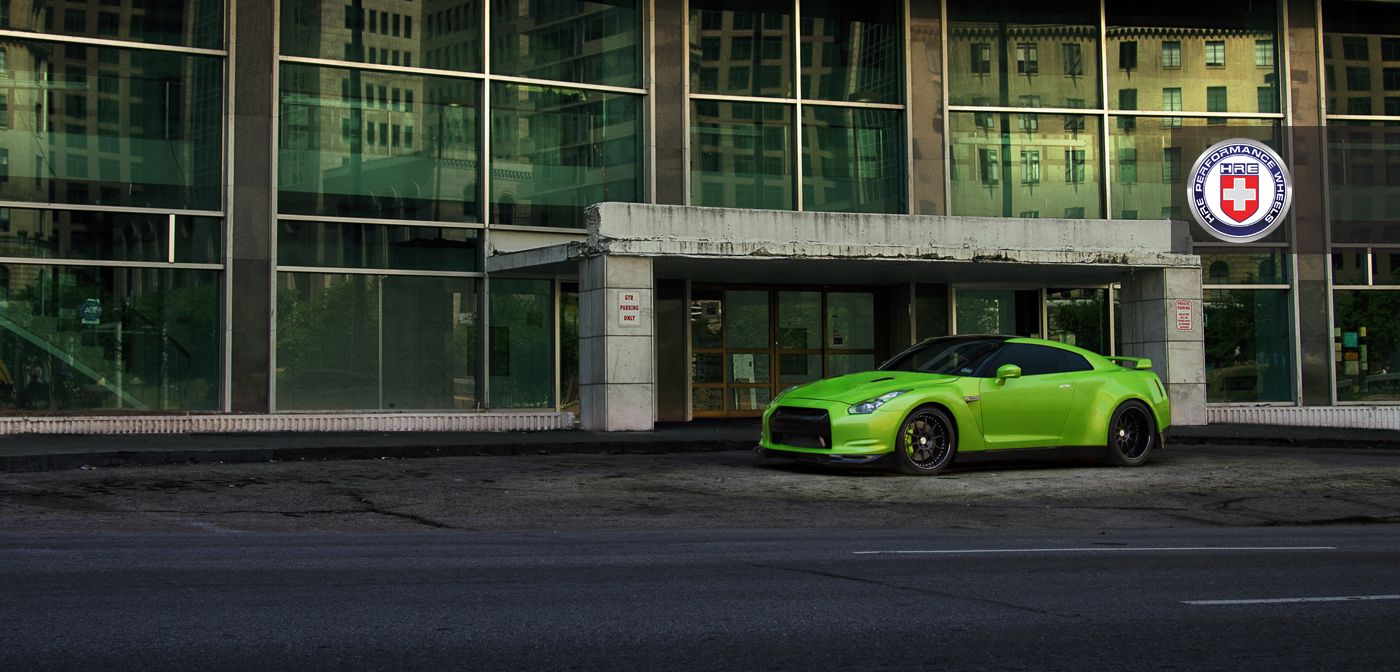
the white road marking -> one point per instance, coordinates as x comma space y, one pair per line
1295, 600
1101, 549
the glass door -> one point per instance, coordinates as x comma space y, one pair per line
799, 338
850, 332
748, 350
747, 344
707, 352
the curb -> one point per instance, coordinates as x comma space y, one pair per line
1301, 437
148, 458
570, 442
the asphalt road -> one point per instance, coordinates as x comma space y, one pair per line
705, 600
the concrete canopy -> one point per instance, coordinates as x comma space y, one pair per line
629, 245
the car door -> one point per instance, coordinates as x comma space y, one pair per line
1029, 411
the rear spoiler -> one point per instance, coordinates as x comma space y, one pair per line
1139, 363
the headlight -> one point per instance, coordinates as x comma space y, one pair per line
869, 405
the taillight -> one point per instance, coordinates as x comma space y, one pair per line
1158, 382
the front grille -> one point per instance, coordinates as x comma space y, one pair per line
801, 427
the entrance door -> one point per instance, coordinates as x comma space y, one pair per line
747, 344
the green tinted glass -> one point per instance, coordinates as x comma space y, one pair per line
361, 143
348, 342
110, 236
79, 338
1361, 48
1194, 55
345, 245
1238, 265
569, 41
1152, 157
741, 155
746, 319
432, 36
1013, 53
850, 321
1025, 165
113, 127
851, 51
186, 23
930, 311
555, 151
63, 234
1248, 357
1078, 317
1364, 194
741, 48
853, 160
522, 343
199, 240
1367, 334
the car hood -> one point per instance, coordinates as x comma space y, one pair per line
854, 388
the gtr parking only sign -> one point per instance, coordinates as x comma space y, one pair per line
1239, 190
629, 308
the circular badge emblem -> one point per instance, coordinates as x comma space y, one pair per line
1239, 190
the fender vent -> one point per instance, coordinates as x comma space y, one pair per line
881, 380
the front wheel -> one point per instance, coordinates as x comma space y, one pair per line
1132, 434
926, 443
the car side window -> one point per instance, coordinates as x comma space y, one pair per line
1073, 361
1036, 360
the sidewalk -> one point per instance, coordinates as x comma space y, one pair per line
49, 452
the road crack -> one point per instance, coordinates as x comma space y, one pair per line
371, 507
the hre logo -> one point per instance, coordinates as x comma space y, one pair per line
1239, 190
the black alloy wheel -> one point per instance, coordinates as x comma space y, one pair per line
1132, 434
927, 441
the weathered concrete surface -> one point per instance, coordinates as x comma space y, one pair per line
1153, 304
630, 229
1187, 486
617, 345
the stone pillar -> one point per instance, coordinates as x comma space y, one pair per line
250, 217
617, 327
668, 101
1162, 318
1310, 235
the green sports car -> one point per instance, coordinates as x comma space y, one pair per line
964, 395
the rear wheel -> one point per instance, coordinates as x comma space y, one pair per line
926, 442
1132, 434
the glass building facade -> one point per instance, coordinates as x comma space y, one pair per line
409, 142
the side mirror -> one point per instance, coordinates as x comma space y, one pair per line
1008, 371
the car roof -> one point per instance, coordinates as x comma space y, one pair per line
1096, 357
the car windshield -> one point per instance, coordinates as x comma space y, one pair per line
948, 356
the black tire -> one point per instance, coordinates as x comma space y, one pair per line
926, 442
1132, 434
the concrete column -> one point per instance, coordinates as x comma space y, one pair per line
617, 329
250, 218
1306, 135
1161, 318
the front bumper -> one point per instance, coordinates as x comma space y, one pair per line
843, 435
